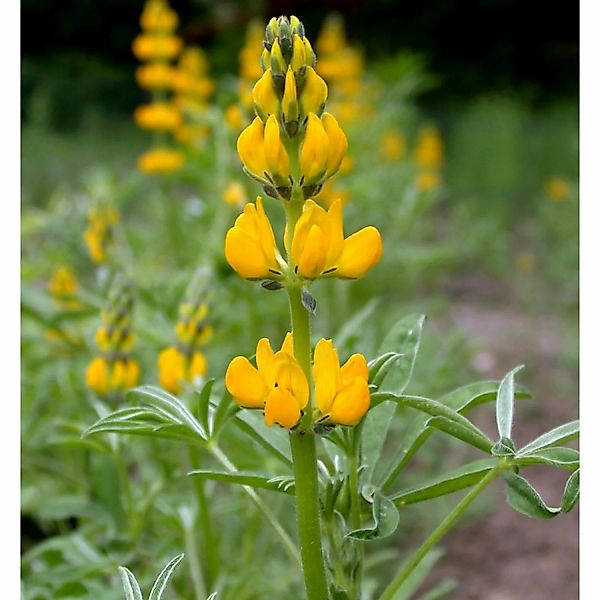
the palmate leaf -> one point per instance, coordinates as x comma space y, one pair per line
447, 483
416, 434
392, 372
385, 520
284, 484
160, 415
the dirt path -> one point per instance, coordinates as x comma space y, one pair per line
522, 559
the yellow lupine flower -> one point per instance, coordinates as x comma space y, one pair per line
158, 16
276, 156
96, 375
250, 246
63, 282
314, 93
251, 149
323, 149
341, 393
150, 47
125, 374
173, 369
429, 151
112, 339
277, 384
427, 180
320, 250
557, 189
161, 161
155, 76
235, 194
265, 99
158, 116
289, 102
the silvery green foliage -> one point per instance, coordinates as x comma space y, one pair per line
132, 588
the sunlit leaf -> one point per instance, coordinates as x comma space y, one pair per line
505, 404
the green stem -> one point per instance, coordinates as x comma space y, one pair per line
307, 514
191, 550
288, 544
304, 452
438, 533
355, 506
209, 540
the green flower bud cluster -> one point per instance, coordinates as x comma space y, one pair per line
289, 88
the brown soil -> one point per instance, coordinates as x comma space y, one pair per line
522, 558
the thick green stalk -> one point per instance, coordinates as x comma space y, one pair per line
355, 505
438, 533
307, 514
303, 443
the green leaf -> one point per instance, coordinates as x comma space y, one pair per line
145, 421
418, 575
374, 431
223, 409
563, 458
447, 483
403, 339
469, 435
171, 405
417, 432
163, 578
445, 419
385, 520
571, 493
283, 484
554, 437
505, 403
204, 403
523, 498
130, 585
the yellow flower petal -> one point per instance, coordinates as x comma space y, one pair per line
311, 262
338, 144
351, 403
362, 250
355, 366
250, 147
264, 95
326, 374
281, 408
245, 384
197, 366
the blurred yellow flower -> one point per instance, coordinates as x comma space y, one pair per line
161, 161
63, 283
104, 376
157, 16
329, 193
234, 117
429, 150
155, 76
174, 368
158, 116
150, 47
557, 189
341, 393
427, 180
235, 194
277, 384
